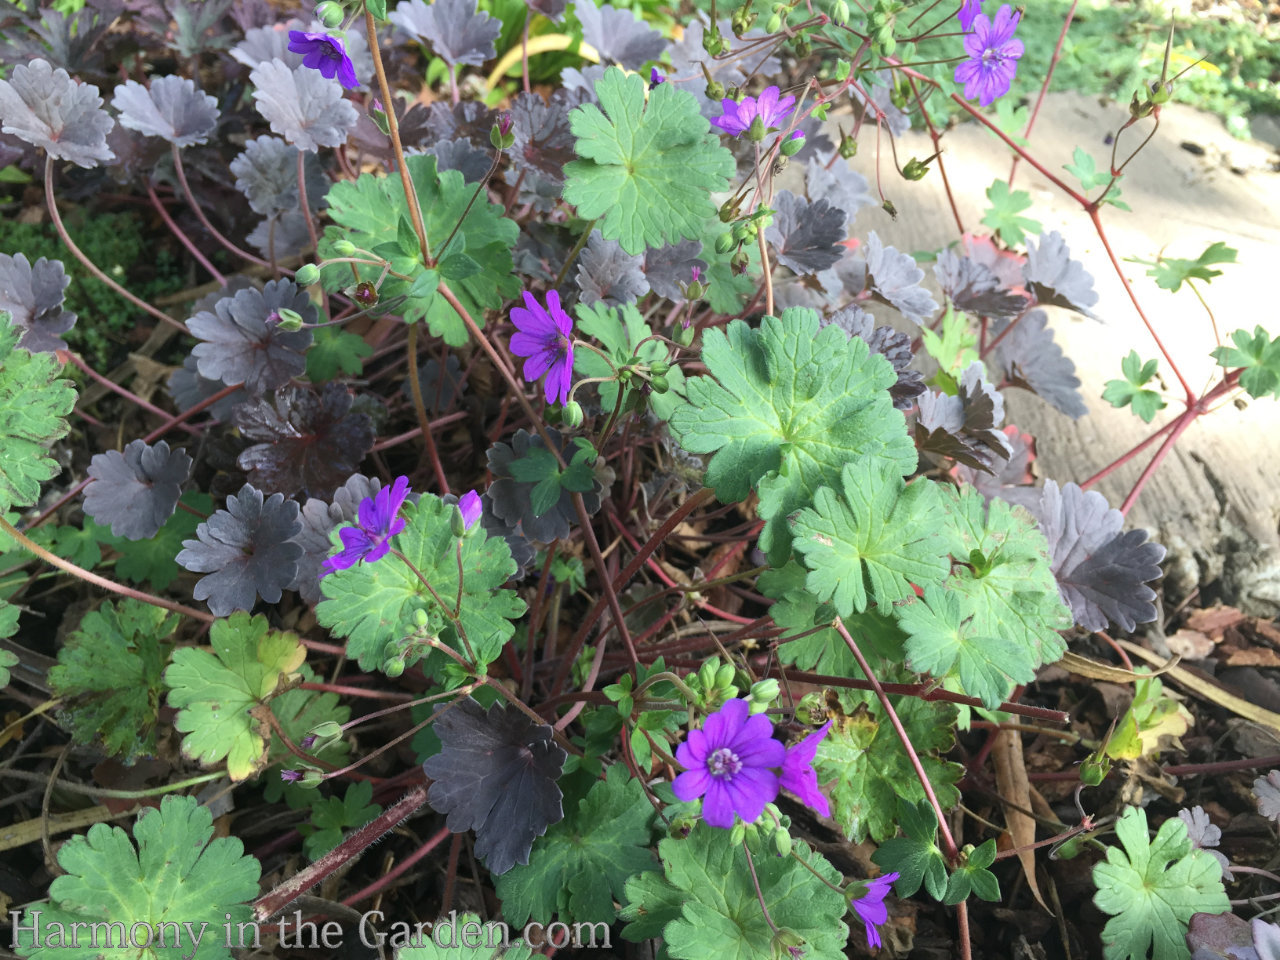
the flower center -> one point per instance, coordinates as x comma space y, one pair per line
723, 763
561, 344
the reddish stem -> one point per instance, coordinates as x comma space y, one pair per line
116, 388
183, 238
1044, 87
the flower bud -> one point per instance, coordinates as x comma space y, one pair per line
328, 730
571, 415
765, 691
290, 776
774, 24
290, 320
782, 843
786, 944
330, 14
737, 833
739, 262
724, 676
344, 248
419, 618
393, 668
707, 674
307, 274
725, 242
311, 778
500, 135
457, 524
848, 148
793, 144
684, 334
659, 367
840, 16
659, 383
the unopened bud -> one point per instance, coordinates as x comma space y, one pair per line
774, 24
765, 691
848, 146
737, 833
782, 843
311, 778
786, 944
571, 414
419, 618
659, 367
725, 242
307, 274
500, 135
344, 248
724, 676
793, 144
330, 14
290, 320
659, 384
393, 668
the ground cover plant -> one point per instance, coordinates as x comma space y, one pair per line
534, 483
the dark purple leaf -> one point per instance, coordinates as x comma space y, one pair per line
249, 14
172, 109
841, 186
281, 235
1102, 572
66, 41
188, 388
415, 130
1011, 480
607, 272
438, 393
523, 550
890, 344
964, 427
243, 342
306, 441
618, 35
583, 82
469, 119
553, 10
32, 296
544, 142
974, 289
806, 235
881, 102
305, 108
247, 550
461, 155
136, 490
453, 28
318, 520
495, 774
512, 499
541, 249
1205, 836
1032, 360
48, 109
1220, 936
1005, 264
267, 174
895, 278
1266, 790
667, 267
1054, 278
264, 44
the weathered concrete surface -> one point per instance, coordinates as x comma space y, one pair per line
1216, 500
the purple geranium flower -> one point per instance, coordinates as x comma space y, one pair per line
798, 775
870, 906
993, 56
376, 524
655, 77
545, 338
326, 54
730, 764
738, 116
471, 508
968, 10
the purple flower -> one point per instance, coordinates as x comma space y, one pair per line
730, 763
737, 117
696, 273
376, 524
290, 776
326, 54
545, 338
798, 775
471, 508
993, 56
870, 906
655, 77
968, 10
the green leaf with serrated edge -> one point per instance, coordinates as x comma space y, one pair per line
333, 352
973, 877
1014, 593
464, 937
864, 766
368, 212
372, 603
618, 330
1122, 393
8, 626
33, 409
719, 914
1151, 888
1258, 356
152, 560
1171, 273
956, 348
786, 406
177, 877
297, 711
915, 855
220, 693
109, 672
1005, 214
581, 865
540, 467
1085, 169
330, 816
872, 540
648, 169
943, 642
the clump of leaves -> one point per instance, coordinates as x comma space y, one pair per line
330, 816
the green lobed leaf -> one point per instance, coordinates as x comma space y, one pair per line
335, 351
1004, 571
787, 405
176, 874
8, 627
1172, 272
705, 905
110, 673
618, 330
33, 409
915, 855
373, 603
973, 877
221, 692
864, 766
1151, 888
540, 467
647, 168
1258, 356
370, 212
581, 865
945, 642
1132, 389
1005, 214
873, 540
330, 816
153, 560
